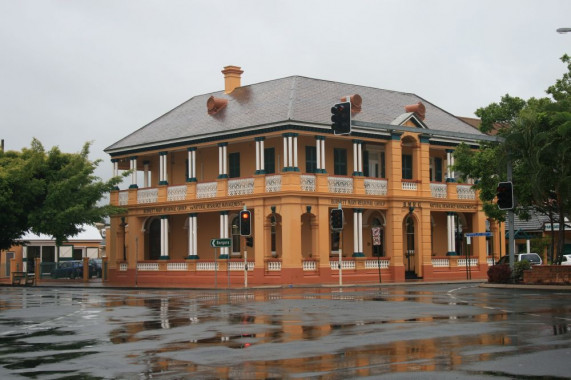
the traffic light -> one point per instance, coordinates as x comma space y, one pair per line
249, 241
341, 118
505, 195
336, 219
245, 223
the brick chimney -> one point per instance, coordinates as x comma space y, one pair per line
232, 77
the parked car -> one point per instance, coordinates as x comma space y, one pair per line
533, 258
98, 266
566, 260
72, 269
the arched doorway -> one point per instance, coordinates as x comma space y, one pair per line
409, 247
273, 229
308, 229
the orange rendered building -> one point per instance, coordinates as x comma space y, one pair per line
269, 148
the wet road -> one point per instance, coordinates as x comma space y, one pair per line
434, 331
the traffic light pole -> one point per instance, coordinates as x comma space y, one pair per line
511, 221
340, 258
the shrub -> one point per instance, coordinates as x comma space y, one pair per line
519, 267
499, 274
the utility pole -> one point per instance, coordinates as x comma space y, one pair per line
511, 221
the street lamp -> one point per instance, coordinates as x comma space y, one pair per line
563, 30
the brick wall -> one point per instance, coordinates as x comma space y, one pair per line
548, 274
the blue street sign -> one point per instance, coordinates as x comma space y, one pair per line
472, 234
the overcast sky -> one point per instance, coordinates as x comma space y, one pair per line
87, 70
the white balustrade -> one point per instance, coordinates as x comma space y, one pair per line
123, 198
490, 261
465, 192
440, 263
307, 182
463, 262
147, 195
239, 265
144, 267
274, 266
375, 186
123, 267
241, 186
340, 185
176, 193
207, 266
409, 185
177, 266
439, 190
206, 190
345, 264
309, 265
374, 264
273, 183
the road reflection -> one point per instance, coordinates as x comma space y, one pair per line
276, 333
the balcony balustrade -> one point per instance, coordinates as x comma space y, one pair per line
242, 186
376, 186
147, 195
439, 190
176, 193
206, 190
273, 183
307, 182
340, 185
465, 192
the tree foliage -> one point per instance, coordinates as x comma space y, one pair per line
537, 141
51, 193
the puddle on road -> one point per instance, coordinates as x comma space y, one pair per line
265, 334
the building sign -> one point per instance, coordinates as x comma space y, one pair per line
193, 207
357, 202
453, 206
556, 227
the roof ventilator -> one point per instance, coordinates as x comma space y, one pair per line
215, 105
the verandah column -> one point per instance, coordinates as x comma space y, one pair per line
164, 238
357, 158
224, 251
358, 233
260, 165
163, 159
192, 236
451, 232
191, 175
450, 175
133, 168
115, 163
223, 160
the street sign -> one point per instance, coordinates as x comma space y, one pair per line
217, 243
472, 234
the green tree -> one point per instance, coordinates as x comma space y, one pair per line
52, 193
537, 140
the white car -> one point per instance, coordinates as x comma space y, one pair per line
566, 260
533, 258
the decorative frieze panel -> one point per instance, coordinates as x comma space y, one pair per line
439, 190
465, 192
176, 193
241, 186
340, 185
147, 195
375, 186
123, 198
206, 190
307, 182
273, 183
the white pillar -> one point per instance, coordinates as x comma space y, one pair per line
355, 169
146, 174
133, 168
285, 151
450, 232
360, 231
163, 173
295, 151
323, 168
290, 151
164, 237
355, 232
257, 157
191, 175
222, 160
360, 158
115, 163
225, 159
318, 153
262, 157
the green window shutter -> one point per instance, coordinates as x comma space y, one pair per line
407, 166
340, 161
234, 165
310, 159
269, 160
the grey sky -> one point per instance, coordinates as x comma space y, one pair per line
77, 71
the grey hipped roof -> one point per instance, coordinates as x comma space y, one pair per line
292, 100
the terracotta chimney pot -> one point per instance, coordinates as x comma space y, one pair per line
417, 108
215, 105
232, 78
